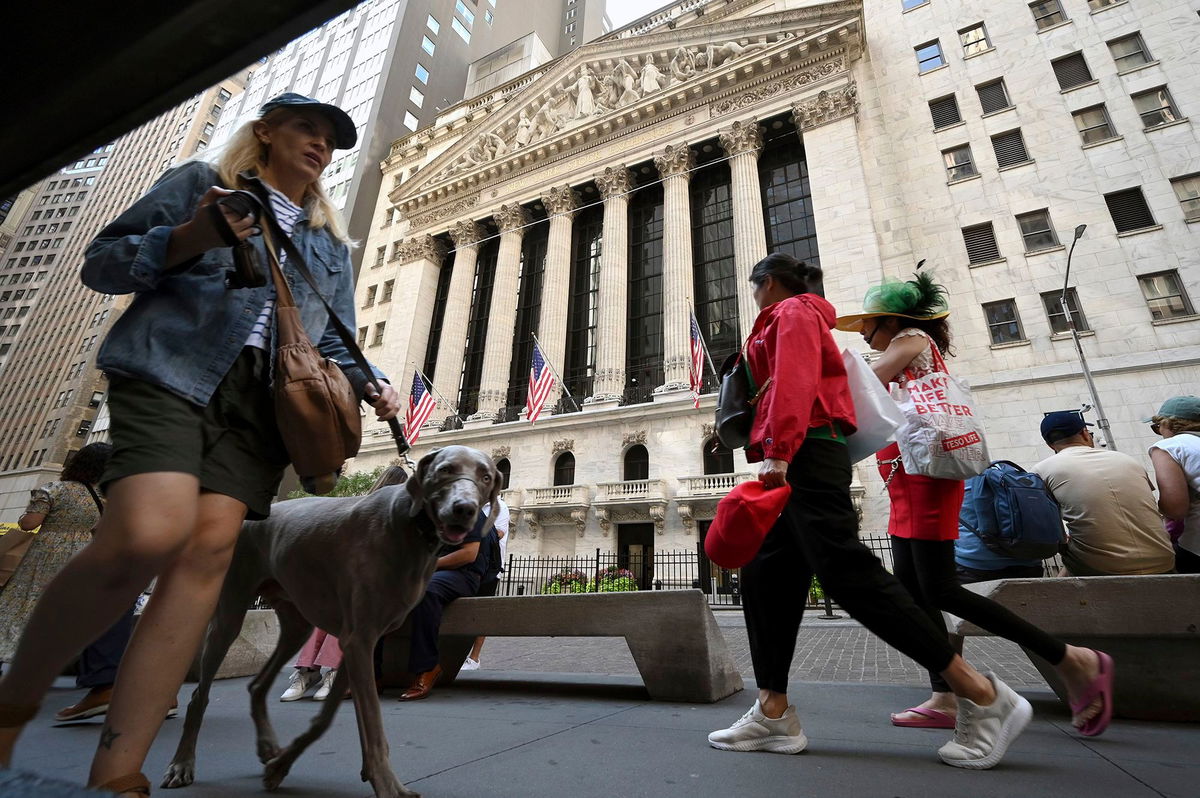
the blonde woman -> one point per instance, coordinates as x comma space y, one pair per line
196, 447
1176, 461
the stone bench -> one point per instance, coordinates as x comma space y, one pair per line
1149, 624
672, 635
248, 654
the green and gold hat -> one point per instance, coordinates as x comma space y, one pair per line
919, 299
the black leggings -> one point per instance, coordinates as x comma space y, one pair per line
926, 568
818, 532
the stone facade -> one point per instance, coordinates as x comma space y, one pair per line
846, 75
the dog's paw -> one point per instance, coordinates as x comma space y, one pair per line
274, 773
268, 750
179, 774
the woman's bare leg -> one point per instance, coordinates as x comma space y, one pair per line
167, 638
146, 522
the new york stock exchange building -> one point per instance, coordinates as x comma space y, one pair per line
598, 201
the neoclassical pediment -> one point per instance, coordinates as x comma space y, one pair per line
610, 85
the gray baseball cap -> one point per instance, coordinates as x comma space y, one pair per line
343, 125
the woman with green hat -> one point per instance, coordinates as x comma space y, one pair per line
1176, 460
907, 322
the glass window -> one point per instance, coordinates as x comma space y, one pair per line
637, 464
564, 469
1156, 107
380, 253
714, 273
1004, 325
958, 162
929, 56
379, 329
1129, 52
389, 286
974, 39
467, 14
505, 468
440, 300
488, 16
422, 74
529, 308
1037, 230
718, 458
907, 4
410, 121
427, 45
787, 200
415, 95
1093, 124
583, 308
644, 341
1047, 13
461, 30
432, 24
477, 324
1052, 302
1187, 190
370, 300
1164, 295
1096, 5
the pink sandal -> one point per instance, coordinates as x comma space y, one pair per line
1100, 687
930, 719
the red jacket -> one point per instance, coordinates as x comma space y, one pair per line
791, 343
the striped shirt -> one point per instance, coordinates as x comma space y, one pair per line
286, 213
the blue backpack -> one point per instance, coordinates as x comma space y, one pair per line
1013, 512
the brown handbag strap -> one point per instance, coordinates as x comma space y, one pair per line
95, 496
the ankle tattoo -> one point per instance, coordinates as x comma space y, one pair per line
107, 736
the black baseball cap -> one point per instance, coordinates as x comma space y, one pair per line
1062, 424
343, 126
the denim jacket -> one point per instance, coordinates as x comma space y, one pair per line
184, 329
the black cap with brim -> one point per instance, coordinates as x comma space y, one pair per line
343, 126
1062, 424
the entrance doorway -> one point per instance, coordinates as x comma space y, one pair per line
635, 551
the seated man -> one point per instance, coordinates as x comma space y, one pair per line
459, 571
1107, 502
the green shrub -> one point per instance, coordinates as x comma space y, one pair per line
355, 484
568, 581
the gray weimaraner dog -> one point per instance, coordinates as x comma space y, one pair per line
354, 567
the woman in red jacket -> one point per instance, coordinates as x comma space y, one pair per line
804, 413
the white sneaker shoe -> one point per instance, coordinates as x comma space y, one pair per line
983, 734
301, 681
326, 685
470, 664
754, 731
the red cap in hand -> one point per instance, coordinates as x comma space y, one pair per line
744, 517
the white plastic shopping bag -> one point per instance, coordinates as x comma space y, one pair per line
942, 436
876, 414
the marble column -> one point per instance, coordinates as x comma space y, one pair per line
743, 143
674, 164
561, 204
841, 198
613, 294
502, 316
426, 255
447, 376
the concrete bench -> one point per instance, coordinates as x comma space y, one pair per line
251, 650
672, 635
1149, 624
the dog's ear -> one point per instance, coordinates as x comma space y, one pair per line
493, 495
415, 485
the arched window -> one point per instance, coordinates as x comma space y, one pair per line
564, 469
718, 458
505, 469
637, 463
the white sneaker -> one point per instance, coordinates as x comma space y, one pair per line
754, 731
326, 685
470, 664
983, 734
301, 681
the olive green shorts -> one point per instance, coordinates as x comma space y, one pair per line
232, 445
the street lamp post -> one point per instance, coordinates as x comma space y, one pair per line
1101, 419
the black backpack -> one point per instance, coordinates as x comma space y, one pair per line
736, 401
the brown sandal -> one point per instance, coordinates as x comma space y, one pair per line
13, 716
136, 783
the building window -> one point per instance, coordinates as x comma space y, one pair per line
644, 342
362, 336
379, 328
1071, 71
974, 40
981, 243
380, 254
787, 200
463, 33
422, 74
389, 286
467, 14
583, 307
907, 4
1129, 52
1037, 230
1165, 295
1155, 107
1004, 325
1096, 5
487, 16
481, 306
714, 272
1052, 302
993, 96
223, 95
1010, 149
427, 45
944, 111
529, 308
440, 300
1129, 210
570, 28
433, 25
410, 121
929, 56
718, 458
564, 469
417, 98
959, 164
1047, 13
1093, 124
370, 300
636, 464
1187, 190
505, 468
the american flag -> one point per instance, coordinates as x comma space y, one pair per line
420, 407
696, 366
541, 382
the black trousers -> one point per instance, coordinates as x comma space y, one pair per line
98, 663
818, 534
426, 617
927, 569
1186, 562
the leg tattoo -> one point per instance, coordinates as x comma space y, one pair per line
108, 736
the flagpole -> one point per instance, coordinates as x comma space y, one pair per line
554, 371
711, 366
432, 387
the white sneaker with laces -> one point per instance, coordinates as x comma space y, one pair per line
301, 681
754, 731
983, 734
470, 664
326, 685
